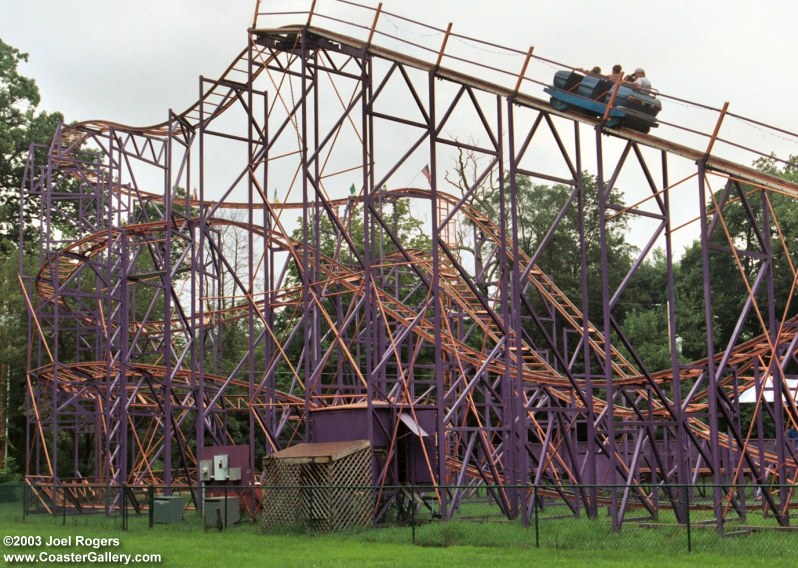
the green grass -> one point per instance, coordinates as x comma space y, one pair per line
242, 547
475, 542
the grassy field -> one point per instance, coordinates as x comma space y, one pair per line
242, 547
571, 542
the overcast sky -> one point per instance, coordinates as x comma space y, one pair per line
131, 61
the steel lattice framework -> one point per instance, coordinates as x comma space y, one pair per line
131, 372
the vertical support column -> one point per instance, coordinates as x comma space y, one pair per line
589, 469
54, 420
307, 305
440, 386
166, 283
106, 351
510, 335
270, 294
520, 420
369, 297
31, 345
611, 449
318, 211
711, 379
682, 450
121, 424
252, 147
116, 352
776, 370
198, 292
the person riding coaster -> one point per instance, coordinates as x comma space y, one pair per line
634, 106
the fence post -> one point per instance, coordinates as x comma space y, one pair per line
535, 507
63, 507
151, 504
689, 531
224, 521
24, 501
413, 511
124, 507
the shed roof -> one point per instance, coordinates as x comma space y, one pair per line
321, 452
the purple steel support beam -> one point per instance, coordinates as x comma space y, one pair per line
680, 439
166, 282
309, 226
589, 464
779, 392
506, 399
269, 282
253, 139
368, 261
712, 387
520, 419
198, 291
604, 190
440, 385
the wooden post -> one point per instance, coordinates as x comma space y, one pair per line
523, 69
374, 24
612, 100
310, 14
717, 129
443, 46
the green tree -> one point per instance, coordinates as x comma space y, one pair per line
20, 126
728, 275
741, 226
538, 207
645, 306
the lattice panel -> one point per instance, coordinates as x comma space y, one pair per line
321, 497
351, 499
279, 504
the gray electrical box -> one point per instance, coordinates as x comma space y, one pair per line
220, 467
234, 474
220, 515
168, 509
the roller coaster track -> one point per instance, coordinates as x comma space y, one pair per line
73, 257
535, 370
96, 383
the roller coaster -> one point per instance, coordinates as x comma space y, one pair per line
464, 357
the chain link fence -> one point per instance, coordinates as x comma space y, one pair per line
667, 519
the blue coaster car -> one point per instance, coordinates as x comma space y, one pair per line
590, 94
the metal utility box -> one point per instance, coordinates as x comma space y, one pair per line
214, 511
168, 509
226, 466
220, 467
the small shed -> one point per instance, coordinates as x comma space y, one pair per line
415, 435
321, 486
